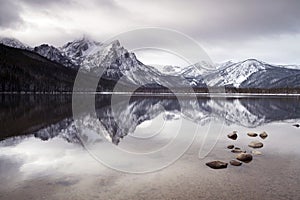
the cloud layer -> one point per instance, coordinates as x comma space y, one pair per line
245, 28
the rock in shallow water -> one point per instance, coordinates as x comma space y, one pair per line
237, 151
217, 164
230, 146
245, 157
256, 144
255, 152
252, 134
263, 135
232, 135
235, 163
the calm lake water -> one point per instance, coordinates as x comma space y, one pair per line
47, 153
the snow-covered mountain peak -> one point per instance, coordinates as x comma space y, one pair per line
78, 49
54, 54
254, 64
113, 61
47, 51
105, 55
234, 74
199, 69
12, 42
83, 44
223, 65
115, 48
115, 43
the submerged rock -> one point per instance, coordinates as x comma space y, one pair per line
255, 152
237, 151
263, 135
235, 163
245, 157
256, 144
232, 135
230, 146
217, 164
252, 134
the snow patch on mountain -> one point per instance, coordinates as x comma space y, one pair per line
79, 49
12, 42
54, 54
113, 61
297, 67
235, 74
170, 70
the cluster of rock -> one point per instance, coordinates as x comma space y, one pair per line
242, 155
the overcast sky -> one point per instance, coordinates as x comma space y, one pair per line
268, 30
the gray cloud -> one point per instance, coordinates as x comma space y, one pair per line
40, 3
216, 19
10, 11
9, 14
219, 19
220, 25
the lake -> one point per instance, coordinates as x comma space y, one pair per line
147, 147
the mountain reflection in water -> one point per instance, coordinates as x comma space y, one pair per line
48, 116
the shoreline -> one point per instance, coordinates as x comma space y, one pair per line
166, 94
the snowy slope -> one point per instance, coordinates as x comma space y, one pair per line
54, 54
170, 70
116, 62
252, 73
12, 42
77, 50
297, 67
234, 74
197, 70
119, 62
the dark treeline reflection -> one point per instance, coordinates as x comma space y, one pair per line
25, 114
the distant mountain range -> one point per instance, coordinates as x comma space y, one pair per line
21, 65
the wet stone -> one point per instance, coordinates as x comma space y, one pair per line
232, 135
217, 164
263, 135
245, 157
237, 151
252, 134
235, 163
256, 144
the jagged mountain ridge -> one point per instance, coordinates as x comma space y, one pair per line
54, 54
118, 63
93, 56
253, 73
79, 49
23, 70
12, 42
